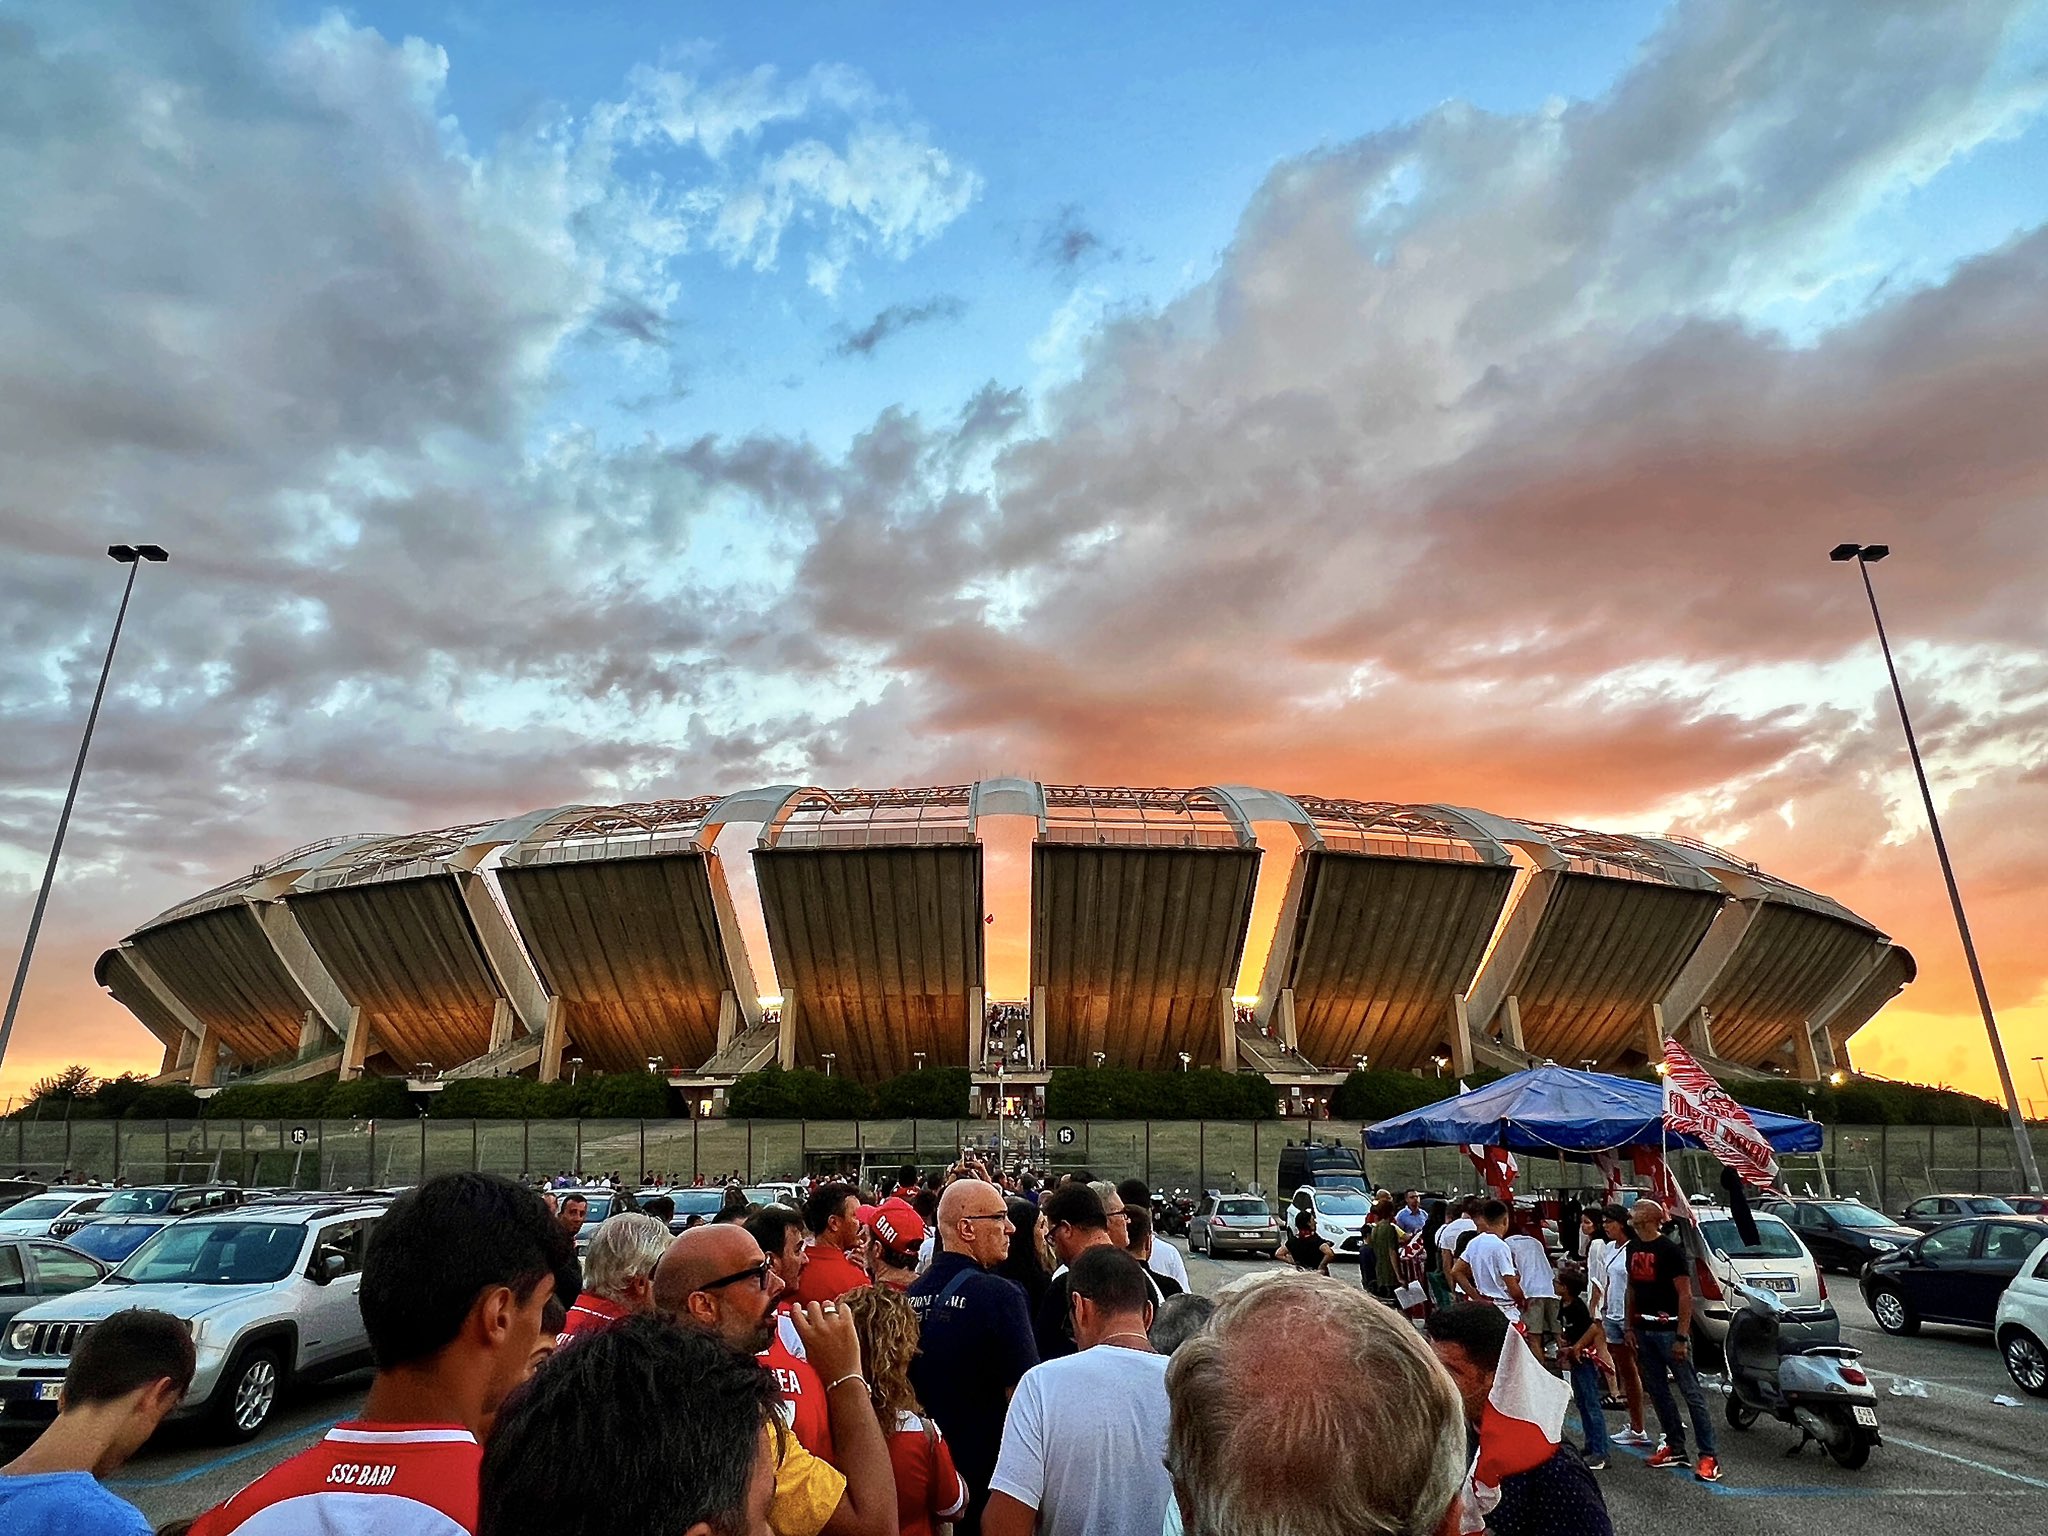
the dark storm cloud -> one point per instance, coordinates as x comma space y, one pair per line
897, 319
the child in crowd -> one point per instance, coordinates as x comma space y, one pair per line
929, 1489
1580, 1355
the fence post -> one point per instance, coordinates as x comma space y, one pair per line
696, 1162
750, 1149
640, 1137
1884, 1165
577, 1166
476, 1150
525, 1148
371, 1181
1201, 1153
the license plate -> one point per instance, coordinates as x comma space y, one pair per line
1865, 1416
1782, 1284
49, 1391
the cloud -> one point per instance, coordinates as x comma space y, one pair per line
895, 320
1473, 471
1067, 244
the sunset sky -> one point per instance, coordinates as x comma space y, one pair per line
1447, 402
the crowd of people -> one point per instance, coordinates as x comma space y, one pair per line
943, 1351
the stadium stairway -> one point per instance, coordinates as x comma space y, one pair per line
514, 1056
751, 1050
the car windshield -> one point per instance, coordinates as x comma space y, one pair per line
697, 1202
1345, 1204
596, 1208
109, 1242
137, 1202
1243, 1208
1854, 1215
41, 1208
1774, 1240
215, 1253
1988, 1205
762, 1194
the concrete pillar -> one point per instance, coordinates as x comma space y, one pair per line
1807, 1045
502, 1020
1511, 1024
171, 1051
504, 956
295, 953
188, 1052
355, 1046
785, 1036
1500, 973
206, 1059
1038, 1029
554, 1036
1226, 1034
1702, 1032
146, 974
728, 1017
977, 1024
1461, 1034
1274, 980
1283, 1021
1723, 937
1653, 1033
312, 1033
739, 966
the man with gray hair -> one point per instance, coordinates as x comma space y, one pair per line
1253, 1451
618, 1272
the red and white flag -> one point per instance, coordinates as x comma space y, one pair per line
1654, 1171
1700, 1107
1522, 1426
1496, 1165
1614, 1171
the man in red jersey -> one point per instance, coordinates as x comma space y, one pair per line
895, 1235
833, 1215
780, 1232
455, 1283
618, 1272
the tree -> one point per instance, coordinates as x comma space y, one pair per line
938, 1093
74, 1082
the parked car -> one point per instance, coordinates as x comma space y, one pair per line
34, 1216
1931, 1211
690, 1200
14, 1191
269, 1292
1954, 1274
1234, 1224
768, 1194
2020, 1324
1328, 1165
1776, 1262
1841, 1235
34, 1269
128, 1218
2027, 1205
1339, 1214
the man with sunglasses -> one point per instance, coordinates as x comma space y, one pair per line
975, 1339
717, 1280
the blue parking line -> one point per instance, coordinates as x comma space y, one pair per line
226, 1459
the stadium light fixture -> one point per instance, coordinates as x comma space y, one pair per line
1185, 1058
1102, 1056
1838, 1077
1866, 555
575, 1066
828, 1057
134, 556
918, 1057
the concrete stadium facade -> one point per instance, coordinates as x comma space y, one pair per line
1407, 935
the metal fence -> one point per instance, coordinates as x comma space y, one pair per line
1884, 1165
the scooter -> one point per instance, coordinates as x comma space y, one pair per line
1790, 1363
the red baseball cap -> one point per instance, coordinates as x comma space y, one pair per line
898, 1225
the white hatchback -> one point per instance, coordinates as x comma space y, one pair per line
2021, 1325
1777, 1262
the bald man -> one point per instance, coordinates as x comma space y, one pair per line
975, 1335
717, 1280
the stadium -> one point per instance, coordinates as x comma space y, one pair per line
608, 938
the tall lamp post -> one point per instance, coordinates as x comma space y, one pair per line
1866, 555
132, 556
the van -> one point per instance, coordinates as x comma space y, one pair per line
1325, 1165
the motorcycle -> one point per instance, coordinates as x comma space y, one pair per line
1172, 1215
1790, 1363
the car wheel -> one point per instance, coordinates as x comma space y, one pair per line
2026, 1361
1893, 1312
248, 1393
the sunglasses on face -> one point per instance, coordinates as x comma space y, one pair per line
758, 1273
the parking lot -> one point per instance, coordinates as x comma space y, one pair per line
1952, 1461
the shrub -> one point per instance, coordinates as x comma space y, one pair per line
1122, 1093
367, 1098
937, 1093
798, 1094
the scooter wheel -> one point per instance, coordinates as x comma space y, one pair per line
1740, 1414
1848, 1450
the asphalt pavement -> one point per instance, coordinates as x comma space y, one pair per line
1952, 1461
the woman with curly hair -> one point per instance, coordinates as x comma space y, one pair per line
929, 1489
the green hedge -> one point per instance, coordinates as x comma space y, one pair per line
797, 1094
1865, 1101
937, 1093
1120, 1093
1379, 1095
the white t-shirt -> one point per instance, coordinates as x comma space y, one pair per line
1532, 1266
1492, 1261
1165, 1259
1085, 1444
1448, 1234
1612, 1272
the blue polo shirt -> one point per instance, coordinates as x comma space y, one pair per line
65, 1504
974, 1346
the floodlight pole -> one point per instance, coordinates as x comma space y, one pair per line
1865, 555
131, 556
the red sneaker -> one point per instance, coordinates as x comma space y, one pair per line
1708, 1471
1664, 1456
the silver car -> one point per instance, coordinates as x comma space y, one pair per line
1234, 1224
269, 1293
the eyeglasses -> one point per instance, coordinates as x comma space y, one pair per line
758, 1273
986, 1216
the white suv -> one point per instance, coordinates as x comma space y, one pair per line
2021, 1325
269, 1292
1339, 1215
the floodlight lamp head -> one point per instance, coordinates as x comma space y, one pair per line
1872, 553
125, 553
1845, 551
153, 553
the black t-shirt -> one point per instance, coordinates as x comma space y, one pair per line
1054, 1324
1653, 1270
1574, 1318
974, 1346
1306, 1249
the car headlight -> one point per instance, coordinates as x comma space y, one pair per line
20, 1336
1879, 1245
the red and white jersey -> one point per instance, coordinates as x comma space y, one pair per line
590, 1313
362, 1480
802, 1389
929, 1488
